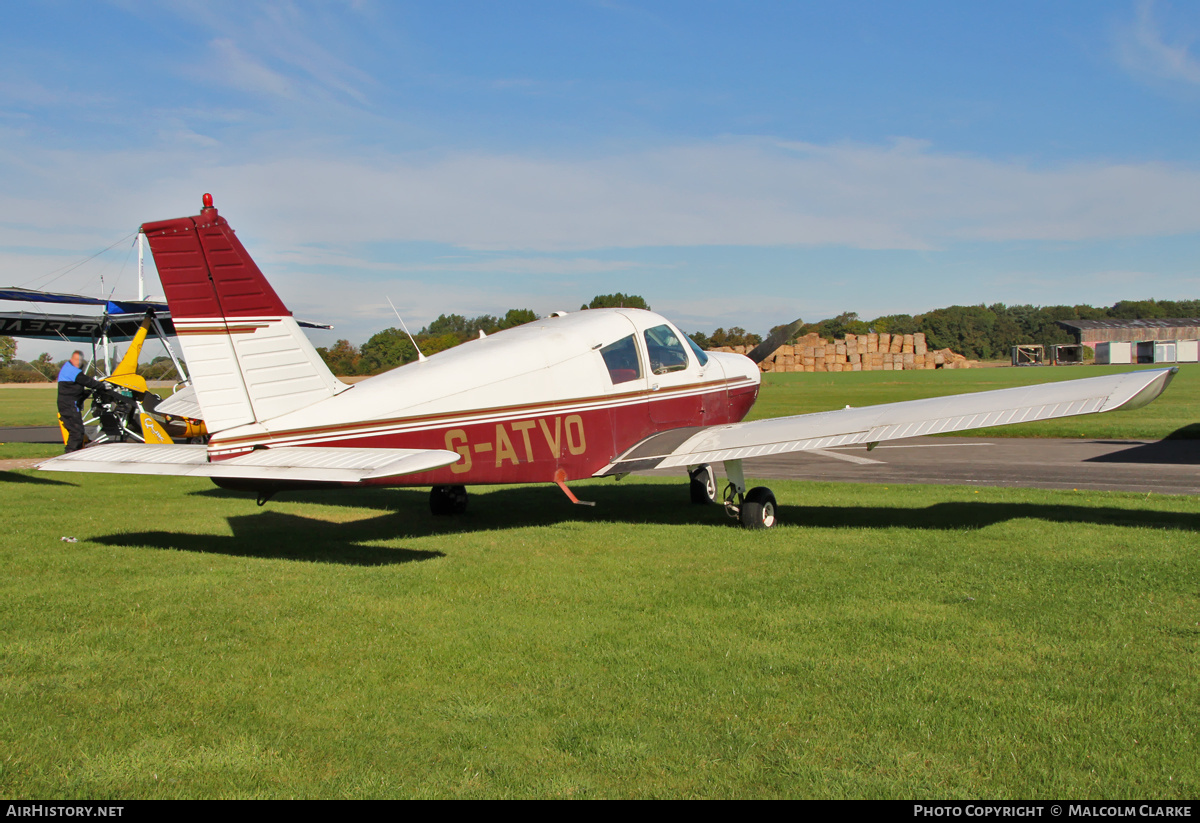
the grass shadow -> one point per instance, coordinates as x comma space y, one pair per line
19, 477
977, 515
275, 534
406, 513
281, 536
1188, 432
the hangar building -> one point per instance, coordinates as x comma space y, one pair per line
1139, 341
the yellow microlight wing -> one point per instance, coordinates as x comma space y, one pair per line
128, 364
133, 382
152, 432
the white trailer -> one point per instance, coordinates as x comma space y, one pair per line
1113, 353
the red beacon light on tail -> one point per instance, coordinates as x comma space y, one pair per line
207, 202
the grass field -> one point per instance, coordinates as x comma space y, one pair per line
882, 642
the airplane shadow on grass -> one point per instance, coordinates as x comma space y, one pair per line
21, 477
404, 513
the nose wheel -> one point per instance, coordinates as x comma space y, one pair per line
755, 508
758, 509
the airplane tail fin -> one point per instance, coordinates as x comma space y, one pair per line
249, 359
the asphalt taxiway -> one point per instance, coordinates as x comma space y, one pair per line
1158, 466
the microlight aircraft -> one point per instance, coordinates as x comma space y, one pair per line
595, 393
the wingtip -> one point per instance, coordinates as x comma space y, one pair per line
1150, 392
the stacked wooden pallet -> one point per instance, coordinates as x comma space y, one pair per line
858, 352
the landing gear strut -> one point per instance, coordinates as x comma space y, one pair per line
445, 501
756, 508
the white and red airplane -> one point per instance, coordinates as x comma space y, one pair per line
593, 393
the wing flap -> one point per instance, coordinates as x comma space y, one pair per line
309, 464
893, 421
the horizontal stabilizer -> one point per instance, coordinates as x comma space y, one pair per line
182, 403
892, 421
307, 464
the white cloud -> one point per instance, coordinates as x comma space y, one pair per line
230, 65
1143, 49
518, 217
746, 192
550, 265
276, 50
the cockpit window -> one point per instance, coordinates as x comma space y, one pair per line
622, 360
667, 354
700, 353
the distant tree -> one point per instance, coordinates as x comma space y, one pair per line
433, 345
894, 324
617, 301
446, 324
8, 350
517, 317
735, 336
386, 350
43, 365
845, 323
342, 357
966, 329
160, 368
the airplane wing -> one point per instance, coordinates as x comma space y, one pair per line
308, 464
121, 318
138, 307
891, 421
77, 328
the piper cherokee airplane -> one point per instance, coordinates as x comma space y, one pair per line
595, 393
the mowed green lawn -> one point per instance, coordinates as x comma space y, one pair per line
882, 642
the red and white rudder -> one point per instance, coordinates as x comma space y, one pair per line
249, 359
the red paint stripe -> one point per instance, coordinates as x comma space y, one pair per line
449, 418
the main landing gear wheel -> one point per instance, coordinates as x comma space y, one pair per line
758, 509
445, 501
703, 485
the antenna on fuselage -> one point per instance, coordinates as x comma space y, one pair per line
420, 357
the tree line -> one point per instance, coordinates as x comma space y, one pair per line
989, 332
980, 332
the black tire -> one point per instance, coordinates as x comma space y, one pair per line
758, 509
703, 485
447, 501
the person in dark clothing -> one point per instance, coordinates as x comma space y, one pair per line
73, 386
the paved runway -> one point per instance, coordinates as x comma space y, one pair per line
1164, 466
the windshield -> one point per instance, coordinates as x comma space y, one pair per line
700, 353
667, 354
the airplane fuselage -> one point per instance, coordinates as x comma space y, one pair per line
567, 392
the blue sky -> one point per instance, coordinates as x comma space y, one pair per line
735, 163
